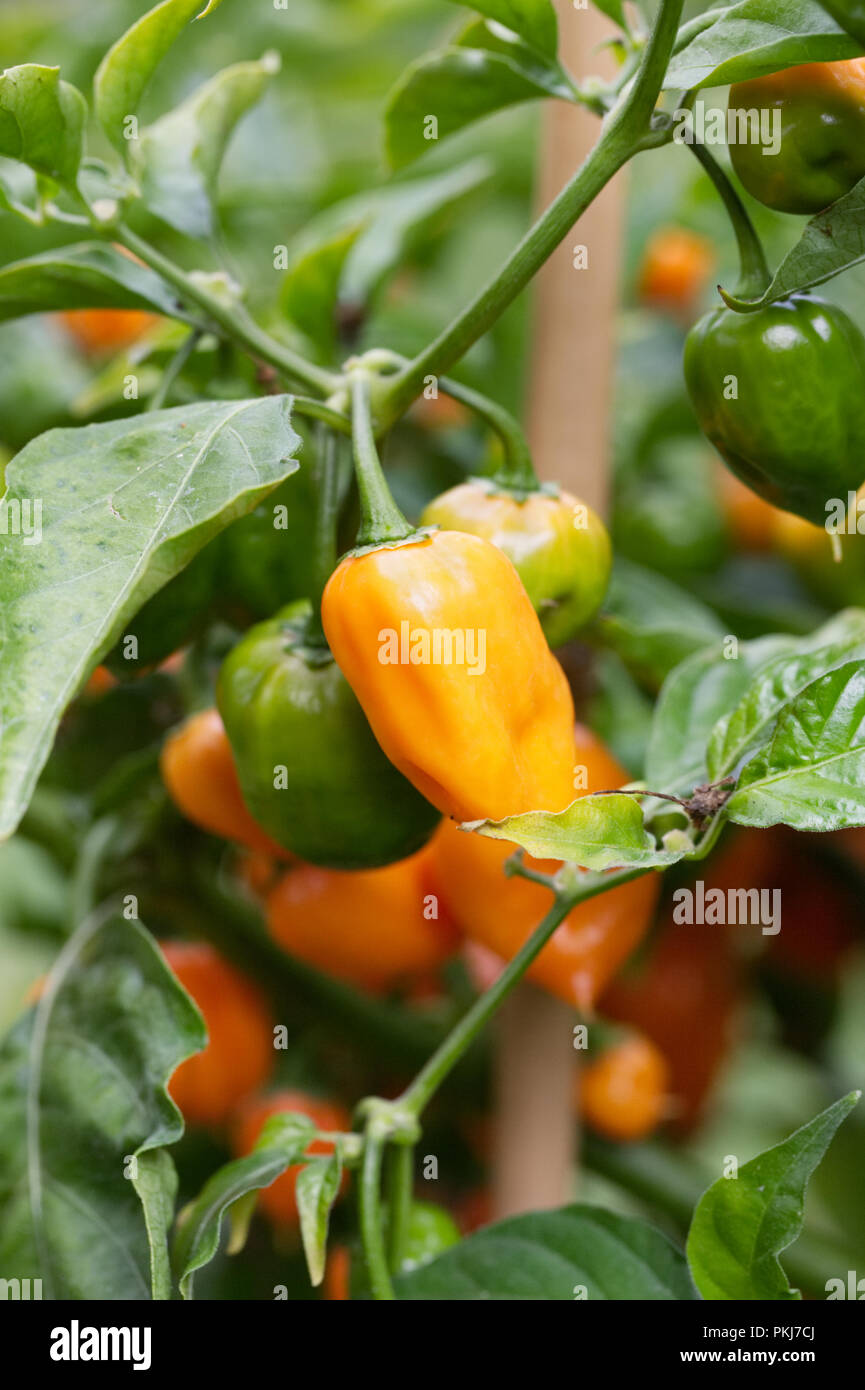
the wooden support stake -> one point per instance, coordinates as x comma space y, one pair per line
535, 1143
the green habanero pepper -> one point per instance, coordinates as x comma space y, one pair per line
310, 768
559, 546
813, 151
780, 392
430, 1230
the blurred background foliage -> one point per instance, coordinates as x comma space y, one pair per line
316, 139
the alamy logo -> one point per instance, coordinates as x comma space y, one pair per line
434, 646
76, 1343
21, 516
712, 125
743, 907
854, 1287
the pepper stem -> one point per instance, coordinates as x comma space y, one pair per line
329, 476
754, 274
382, 519
517, 471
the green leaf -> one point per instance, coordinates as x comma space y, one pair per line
693, 698
283, 1141
83, 1105
87, 275
751, 722
124, 73
832, 241
533, 20
742, 1224
177, 159
124, 507
42, 121
310, 289
850, 14
597, 832
156, 1184
756, 37
577, 1251
613, 9
317, 1190
444, 92
811, 773
346, 254
653, 624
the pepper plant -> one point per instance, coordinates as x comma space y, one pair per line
155, 533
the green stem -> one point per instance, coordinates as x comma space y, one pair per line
518, 470
232, 318
371, 1226
444, 1059
174, 368
400, 1190
318, 410
754, 274
382, 519
624, 131
328, 497
84, 887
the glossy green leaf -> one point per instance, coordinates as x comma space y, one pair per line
177, 159
693, 698
743, 1223
597, 832
447, 91
653, 624
752, 721
310, 290
42, 121
317, 1190
577, 1252
87, 275
832, 241
533, 20
282, 1142
102, 517
755, 37
613, 9
84, 1114
811, 773
124, 73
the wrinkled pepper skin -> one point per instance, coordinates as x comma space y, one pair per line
822, 135
339, 802
200, 775
795, 434
595, 938
487, 736
375, 928
559, 547
623, 1094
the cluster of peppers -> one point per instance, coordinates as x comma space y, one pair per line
356, 766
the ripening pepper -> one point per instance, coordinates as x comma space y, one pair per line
816, 150
623, 1093
375, 928
559, 547
311, 771
780, 392
199, 773
239, 1055
439, 641
595, 938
